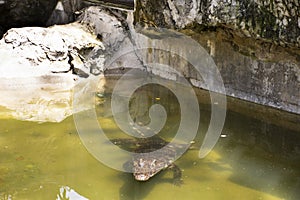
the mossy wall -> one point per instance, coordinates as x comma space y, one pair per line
254, 43
274, 20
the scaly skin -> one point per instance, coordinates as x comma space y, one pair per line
145, 165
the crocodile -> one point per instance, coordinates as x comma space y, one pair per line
143, 165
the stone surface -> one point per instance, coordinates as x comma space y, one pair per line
112, 28
266, 74
254, 70
22, 13
47, 60
39, 68
259, 71
64, 12
255, 44
276, 21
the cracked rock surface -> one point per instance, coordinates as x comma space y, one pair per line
39, 68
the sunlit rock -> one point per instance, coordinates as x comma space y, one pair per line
111, 27
38, 69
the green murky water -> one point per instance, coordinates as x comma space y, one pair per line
257, 157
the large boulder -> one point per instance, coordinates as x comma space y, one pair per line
39, 68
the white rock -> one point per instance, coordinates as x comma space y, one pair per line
36, 79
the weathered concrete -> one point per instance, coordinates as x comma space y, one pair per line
265, 74
254, 70
255, 43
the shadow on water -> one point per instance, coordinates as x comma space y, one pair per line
253, 154
132, 189
262, 156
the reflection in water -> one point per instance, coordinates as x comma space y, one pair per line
256, 160
66, 193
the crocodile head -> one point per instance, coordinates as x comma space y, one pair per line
145, 168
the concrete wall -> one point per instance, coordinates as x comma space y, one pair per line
254, 43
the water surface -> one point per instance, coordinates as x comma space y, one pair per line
257, 157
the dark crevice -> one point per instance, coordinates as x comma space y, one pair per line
70, 59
